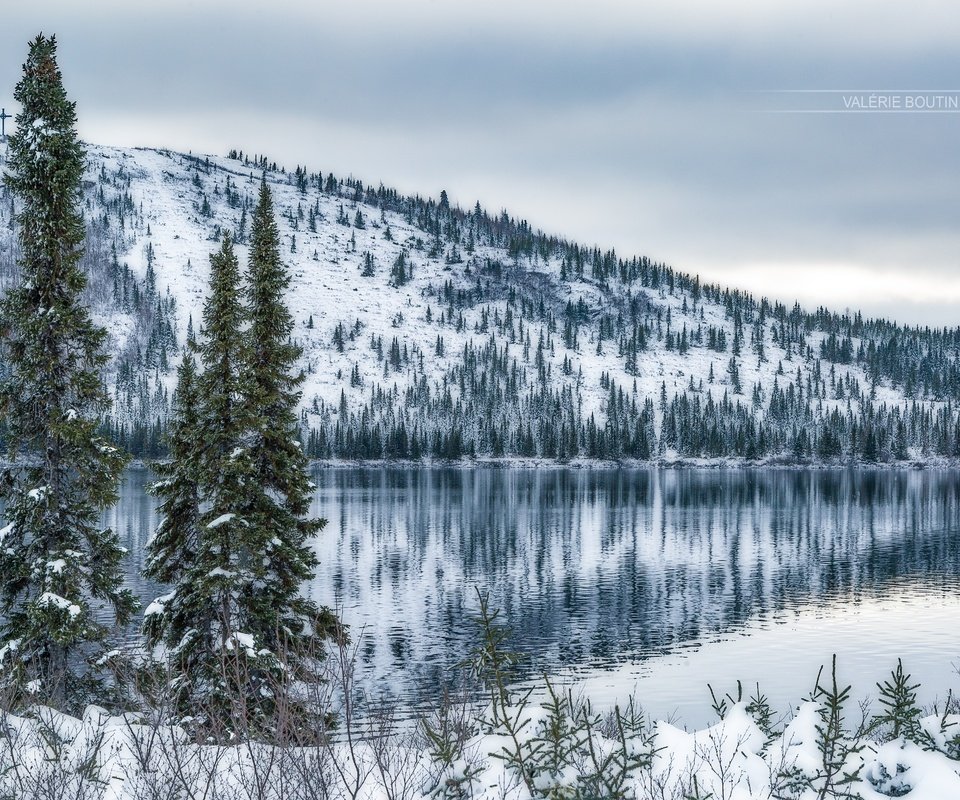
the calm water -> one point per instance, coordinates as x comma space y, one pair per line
636, 580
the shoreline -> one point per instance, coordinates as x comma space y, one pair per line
915, 465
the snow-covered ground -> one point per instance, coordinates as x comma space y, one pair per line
45, 755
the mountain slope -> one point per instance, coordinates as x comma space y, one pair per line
429, 331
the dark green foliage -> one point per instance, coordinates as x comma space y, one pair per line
175, 544
759, 708
400, 271
278, 499
608, 771
234, 538
842, 357
446, 734
493, 665
835, 743
898, 697
202, 544
720, 705
535, 402
368, 265
56, 562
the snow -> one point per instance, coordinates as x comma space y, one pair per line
10, 647
731, 759
245, 641
52, 599
5, 532
220, 572
158, 606
223, 519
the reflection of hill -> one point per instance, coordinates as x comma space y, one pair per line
594, 565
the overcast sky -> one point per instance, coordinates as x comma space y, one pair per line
648, 128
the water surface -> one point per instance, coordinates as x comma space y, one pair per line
653, 580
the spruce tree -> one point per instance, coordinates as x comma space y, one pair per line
203, 543
172, 550
57, 564
280, 619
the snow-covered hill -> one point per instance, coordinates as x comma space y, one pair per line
428, 330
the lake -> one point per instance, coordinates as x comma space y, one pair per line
635, 580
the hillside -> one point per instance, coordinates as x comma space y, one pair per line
431, 331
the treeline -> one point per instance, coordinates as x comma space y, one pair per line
693, 427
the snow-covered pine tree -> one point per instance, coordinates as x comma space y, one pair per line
277, 500
232, 541
172, 551
57, 564
210, 556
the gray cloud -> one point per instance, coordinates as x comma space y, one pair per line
622, 126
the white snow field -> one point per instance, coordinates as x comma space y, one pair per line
46, 755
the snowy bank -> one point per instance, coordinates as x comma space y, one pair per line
561, 751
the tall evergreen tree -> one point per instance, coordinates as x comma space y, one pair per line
56, 562
280, 619
206, 548
172, 551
